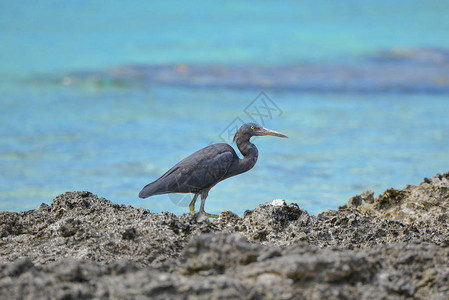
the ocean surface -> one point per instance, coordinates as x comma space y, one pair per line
106, 97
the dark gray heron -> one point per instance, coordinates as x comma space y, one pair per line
202, 170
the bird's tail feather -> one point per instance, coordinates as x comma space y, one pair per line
167, 183
161, 186
149, 190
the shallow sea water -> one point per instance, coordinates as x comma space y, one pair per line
71, 121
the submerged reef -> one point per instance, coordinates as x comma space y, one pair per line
393, 246
420, 70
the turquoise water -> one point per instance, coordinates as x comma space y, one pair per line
106, 97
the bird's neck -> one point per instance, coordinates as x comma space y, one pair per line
249, 151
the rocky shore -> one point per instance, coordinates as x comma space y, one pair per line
389, 246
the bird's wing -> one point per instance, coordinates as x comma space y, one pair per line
201, 170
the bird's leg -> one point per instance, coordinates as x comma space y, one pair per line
192, 203
203, 201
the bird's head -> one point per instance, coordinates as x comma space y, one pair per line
253, 129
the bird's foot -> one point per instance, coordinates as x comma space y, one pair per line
209, 215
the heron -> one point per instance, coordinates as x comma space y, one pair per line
202, 170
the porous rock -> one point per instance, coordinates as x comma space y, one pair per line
84, 246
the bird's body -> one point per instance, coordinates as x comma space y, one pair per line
200, 171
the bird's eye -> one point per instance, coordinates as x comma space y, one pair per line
252, 127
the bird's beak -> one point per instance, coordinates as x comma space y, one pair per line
265, 131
